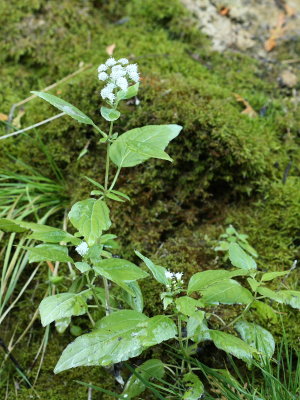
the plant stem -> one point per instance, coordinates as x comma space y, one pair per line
115, 179
100, 131
106, 288
107, 155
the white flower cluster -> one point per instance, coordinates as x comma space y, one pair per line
118, 74
175, 280
82, 249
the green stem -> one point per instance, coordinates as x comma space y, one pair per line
106, 288
100, 131
115, 179
91, 286
107, 155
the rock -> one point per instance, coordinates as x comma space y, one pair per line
288, 78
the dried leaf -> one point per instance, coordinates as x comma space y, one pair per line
110, 49
17, 120
276, 33
3, 117
248, 110
224, 11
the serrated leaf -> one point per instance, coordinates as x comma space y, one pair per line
147, 150
66, 107
120, 336
9, 225
63, 305
289, 297
62, 324
48, 252
109, 114
240, 259
83, 267
253, 284
202, 280
197, 330
153, 135
120, 271
55, 236
257, 337
195, 387
129, 93
158, 272
232, 345
136, 301
148, 370
90, 217
191, 307
268, 276
226, 292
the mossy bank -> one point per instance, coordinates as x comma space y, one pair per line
228, 167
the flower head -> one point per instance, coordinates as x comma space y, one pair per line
123, 61
102, 76
169, 275
117, 75
110, 62
102, 67
82, 249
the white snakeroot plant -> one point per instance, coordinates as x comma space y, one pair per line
187, 320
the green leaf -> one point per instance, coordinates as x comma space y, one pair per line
120, 336
63, 305
120, 271
83, 266
195, 388
66, 107
147, 150
136, 301
148, 370
55, 236
95, 183
90, 217
48, 252
153, 135
257, 337
268, 276
129, 93
202, 280
226, 292
109, 114
232, 345
191, 307
265, 311
240, 259
9, 225
197, 330
113, 196
62, 324
253, 284
158, 272
118, 193
289, 297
